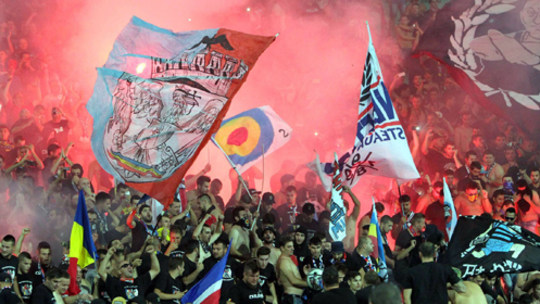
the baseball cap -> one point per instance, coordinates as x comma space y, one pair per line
308, 208
254, 191
268, 198
5, 278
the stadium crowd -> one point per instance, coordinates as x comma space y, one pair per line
279, 241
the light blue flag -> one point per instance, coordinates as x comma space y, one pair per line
450, 209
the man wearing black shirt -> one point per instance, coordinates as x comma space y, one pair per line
8, 262
192, 267
333, 293
141, 229
219, 248
426, 282
6, 292
169, 286
42, 265
47, 293
315, 258
248, 291
267, 276
361, 257
128, 286
24, 277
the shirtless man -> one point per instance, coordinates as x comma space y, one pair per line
288, 274
494, 172
203, 187
351, 219
473, 201
239, 235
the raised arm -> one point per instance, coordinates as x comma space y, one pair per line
20, 240
102, 271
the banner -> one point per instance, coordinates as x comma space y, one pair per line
337, 227
374, 234
490, 47
325, 171
449, 210
250, 134
160, 96
380, 146
483, 245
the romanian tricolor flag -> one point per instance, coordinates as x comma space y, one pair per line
81, 245
376, 237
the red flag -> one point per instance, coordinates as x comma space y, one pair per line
160, 97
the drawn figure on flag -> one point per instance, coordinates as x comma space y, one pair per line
158, 125
497, 238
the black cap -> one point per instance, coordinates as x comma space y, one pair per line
245, 198
269, 228
308, 208
5, 278
268, 198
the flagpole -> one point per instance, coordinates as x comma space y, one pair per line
232, 165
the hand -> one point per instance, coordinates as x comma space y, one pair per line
484, 194
180, 294
111, 251
207, 168
413, 244
30, 147
136, 263
25, 231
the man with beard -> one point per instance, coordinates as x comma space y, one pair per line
203, 187
8, 262
42, 265
267, 277
248, 291
203, 234
239, 235
169, 285
142, 228
219, 249
268, 240
23, 282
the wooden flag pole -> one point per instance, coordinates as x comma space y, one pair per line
233, 166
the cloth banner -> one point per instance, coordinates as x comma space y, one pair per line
160, 96
337, 228
380, 146
490, 47
374, 234
246, 136
483, 245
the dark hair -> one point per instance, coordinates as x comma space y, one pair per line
251, 265
9, 238
263, 251
142, 207
174, 262
101, 197
222, 240
286, 178
330, 275
24, 255
133, 198
285, 239
269, 218
488, 152
191, 245
476, 165
511, 210
202, 179
372, 278
121, 186
404, 198
56, 273
176, 229
43, 245
78, 166
315, 241
351, 274
341, 267
497, 193
52, 148
386, 293
427, 249
237, 210
290, 189
417, 217
532, 169
386, 219
471, 185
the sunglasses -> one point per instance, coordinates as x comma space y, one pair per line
126, 265
509, 218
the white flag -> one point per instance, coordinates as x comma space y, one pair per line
337, 228
380, 146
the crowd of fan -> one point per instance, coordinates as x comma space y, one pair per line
146, 255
